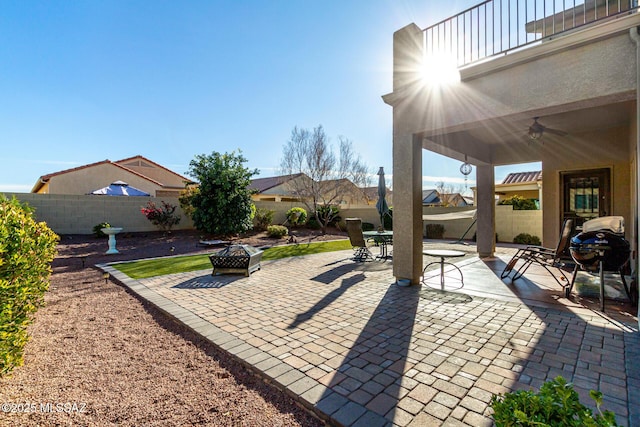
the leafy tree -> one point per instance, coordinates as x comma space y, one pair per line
448, 194
222, 201
309, 153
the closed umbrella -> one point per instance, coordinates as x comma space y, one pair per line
381, 204
119, 188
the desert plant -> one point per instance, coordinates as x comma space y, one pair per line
162, 217
277, 231
296, 216
557, 404
263, 218
527, 239
97, 229
328, 215
434, 231
27, 249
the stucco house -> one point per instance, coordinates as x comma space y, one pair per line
524, 184
433, 198
548, 85
287, 188
277, 188
137, 171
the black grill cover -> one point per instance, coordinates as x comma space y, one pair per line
586, 249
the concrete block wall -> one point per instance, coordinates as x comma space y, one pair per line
510, 223
453, 228
73, 214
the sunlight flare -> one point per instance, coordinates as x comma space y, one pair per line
440, 69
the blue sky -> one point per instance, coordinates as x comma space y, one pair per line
84, 81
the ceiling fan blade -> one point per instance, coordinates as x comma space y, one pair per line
556, 132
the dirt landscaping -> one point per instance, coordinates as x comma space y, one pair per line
99, 356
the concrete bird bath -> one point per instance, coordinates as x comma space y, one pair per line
111, 232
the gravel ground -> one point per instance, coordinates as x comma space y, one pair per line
98, 356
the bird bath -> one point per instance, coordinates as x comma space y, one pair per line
111, 232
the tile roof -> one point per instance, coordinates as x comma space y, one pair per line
522, 177
263, 184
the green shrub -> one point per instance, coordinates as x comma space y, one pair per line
27, 248
367, 226
277, 231
527, 239
557, 404
296, 216
164, 217
519, 203
97, 229
263, 218
434, 231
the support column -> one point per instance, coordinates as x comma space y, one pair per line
634, 33
486, 225
407, 208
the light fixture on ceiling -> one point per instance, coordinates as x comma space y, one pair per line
537, 129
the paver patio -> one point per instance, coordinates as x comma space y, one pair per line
361, 351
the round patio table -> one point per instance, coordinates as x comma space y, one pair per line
443, 254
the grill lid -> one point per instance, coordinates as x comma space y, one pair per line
589, 248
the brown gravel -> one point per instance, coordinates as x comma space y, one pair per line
102, 357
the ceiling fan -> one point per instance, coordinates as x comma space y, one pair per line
536, 130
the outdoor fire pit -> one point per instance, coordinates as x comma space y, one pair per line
236, 259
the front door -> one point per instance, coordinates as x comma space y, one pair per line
586, 194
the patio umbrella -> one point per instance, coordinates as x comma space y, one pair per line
119, 188
381, 204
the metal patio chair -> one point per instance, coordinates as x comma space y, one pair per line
358, 242
544, 257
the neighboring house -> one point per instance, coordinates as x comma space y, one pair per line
278, 188
287, 188
524, 184
559, 87
371, 194
137, 171
433, 198
343, 192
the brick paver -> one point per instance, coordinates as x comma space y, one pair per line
359, 350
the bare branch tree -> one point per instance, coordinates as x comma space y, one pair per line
448, 193
323, 179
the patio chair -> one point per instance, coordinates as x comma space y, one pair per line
544, 257
358, 242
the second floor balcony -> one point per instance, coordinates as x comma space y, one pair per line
498, 27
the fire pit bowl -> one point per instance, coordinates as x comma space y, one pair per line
236, 259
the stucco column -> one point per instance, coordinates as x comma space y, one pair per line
634, 33
486, 225
407, 208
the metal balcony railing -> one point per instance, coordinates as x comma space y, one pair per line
497, 27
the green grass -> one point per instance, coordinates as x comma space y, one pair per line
182, 264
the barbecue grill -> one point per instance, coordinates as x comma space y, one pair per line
601, 247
